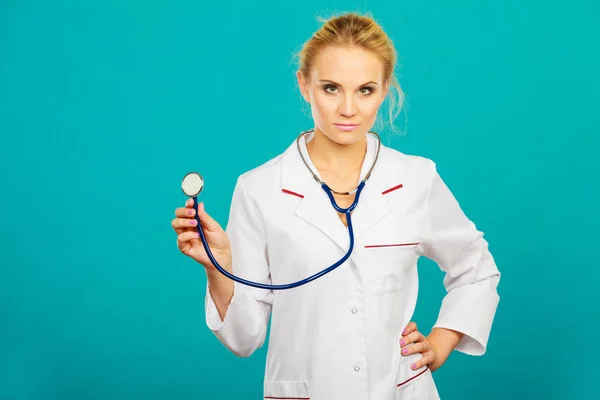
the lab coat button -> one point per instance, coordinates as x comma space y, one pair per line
357, 368
354, 311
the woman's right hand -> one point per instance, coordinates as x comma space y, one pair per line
188, 238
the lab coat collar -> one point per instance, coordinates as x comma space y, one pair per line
377, 199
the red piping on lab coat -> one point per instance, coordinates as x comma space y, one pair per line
391, 245
292, 193
410, 379
391, 189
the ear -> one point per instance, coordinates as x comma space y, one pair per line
302, 84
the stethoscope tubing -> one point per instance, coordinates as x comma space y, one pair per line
286, 286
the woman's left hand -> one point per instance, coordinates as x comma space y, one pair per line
420, 345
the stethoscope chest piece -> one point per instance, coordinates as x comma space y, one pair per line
192, 184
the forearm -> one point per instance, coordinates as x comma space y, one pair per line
237, 315
444, 341
220, 289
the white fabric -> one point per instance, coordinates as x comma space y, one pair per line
338, 337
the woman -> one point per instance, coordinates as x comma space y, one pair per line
346, 335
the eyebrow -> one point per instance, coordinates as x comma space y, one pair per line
335, 83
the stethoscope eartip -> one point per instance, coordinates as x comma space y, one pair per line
192, 184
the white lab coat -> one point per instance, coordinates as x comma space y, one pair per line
338, 336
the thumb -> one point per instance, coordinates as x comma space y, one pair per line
207, 221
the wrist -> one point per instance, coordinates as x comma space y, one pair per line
224, 260
214, 275
443, 341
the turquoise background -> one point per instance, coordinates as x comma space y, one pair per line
104, 106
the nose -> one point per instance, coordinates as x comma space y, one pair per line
347, 107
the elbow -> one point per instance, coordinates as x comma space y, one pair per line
241, 352
244, 352
242, 345
487, 271
243, 349
482, 273
491, 279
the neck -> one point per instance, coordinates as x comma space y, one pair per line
340, 159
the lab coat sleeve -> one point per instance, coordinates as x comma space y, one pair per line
244, 327
471, 276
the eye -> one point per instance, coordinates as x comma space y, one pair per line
330, 88
366, 90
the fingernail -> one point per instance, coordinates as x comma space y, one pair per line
191, 212
404, 351
196, 234
402, 343
404, 332
413, 366
193, 222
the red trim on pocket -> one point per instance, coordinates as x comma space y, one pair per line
294, 194
410, 379
391, 245
391, 189
287, 398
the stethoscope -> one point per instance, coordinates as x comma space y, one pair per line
193, 183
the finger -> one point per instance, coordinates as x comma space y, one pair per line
185, 212
411, 327
187, 236
420, 347
427, 359
183, 223
411, 338
189, 203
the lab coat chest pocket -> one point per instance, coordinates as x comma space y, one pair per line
279, 390
390, 254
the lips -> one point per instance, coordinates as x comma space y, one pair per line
346, 127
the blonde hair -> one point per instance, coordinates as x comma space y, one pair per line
353, 29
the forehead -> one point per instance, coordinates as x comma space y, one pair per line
347, 65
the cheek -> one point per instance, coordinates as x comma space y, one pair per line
322, 107
370, 107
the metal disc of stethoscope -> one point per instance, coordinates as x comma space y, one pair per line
192, 184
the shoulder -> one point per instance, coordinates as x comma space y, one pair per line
410, 164
261, 178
